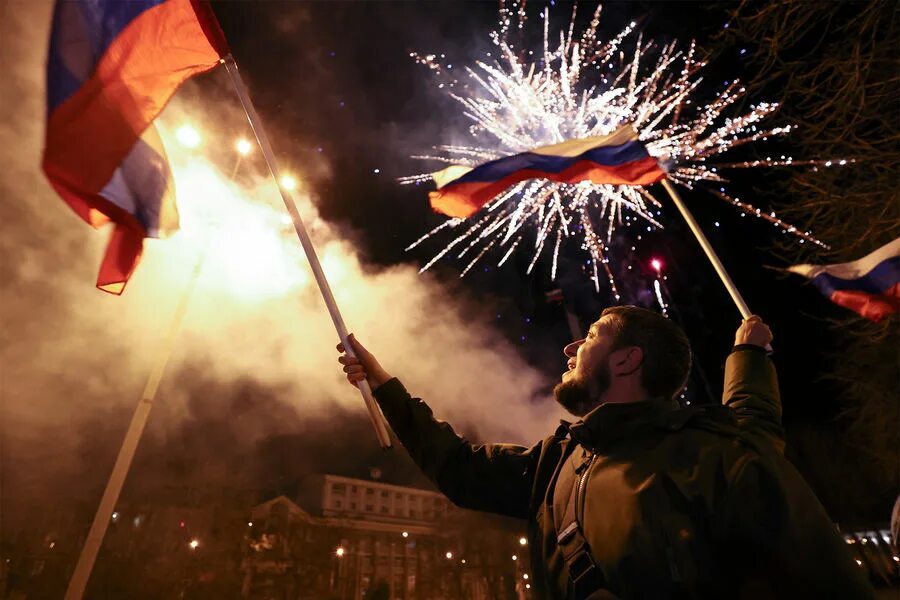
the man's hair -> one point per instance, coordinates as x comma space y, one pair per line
667, 351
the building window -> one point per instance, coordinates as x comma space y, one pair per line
352, 488
337, 503
338, 488
370, 492
370, 508
385, 509
353, 505
385, 494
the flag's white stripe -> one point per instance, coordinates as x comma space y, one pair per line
853, 269
580, 146
577, 147
445, 176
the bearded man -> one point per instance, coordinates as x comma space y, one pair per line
642, 498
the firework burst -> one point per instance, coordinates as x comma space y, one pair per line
579, 86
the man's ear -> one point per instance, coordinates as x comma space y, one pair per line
626, 361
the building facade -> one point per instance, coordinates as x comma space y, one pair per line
369, 539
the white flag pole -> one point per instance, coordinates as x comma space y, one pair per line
85, 564
708, 249
374, 412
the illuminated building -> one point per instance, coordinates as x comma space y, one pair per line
361, 536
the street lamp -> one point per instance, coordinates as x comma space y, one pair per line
243, 146
288, 182
339, 552
188, 136
522, 541
194, 543
449, 555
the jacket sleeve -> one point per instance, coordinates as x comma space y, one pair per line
778, 540
751, 391
495, 477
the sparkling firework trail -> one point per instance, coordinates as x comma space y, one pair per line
580, 86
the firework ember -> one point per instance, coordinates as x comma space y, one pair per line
580, 86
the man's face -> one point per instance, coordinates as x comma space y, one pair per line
588, 375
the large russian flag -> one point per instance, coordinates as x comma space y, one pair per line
618, 158
112, 67
869, 286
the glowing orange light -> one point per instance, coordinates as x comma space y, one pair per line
188, 136
288, 182
243, 147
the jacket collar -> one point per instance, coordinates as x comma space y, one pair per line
610, 422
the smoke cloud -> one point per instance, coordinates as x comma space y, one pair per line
254, 360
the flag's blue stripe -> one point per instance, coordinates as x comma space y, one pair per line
496, 170
881, 278
147, 175
82, 32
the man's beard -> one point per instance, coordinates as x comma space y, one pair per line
581, 397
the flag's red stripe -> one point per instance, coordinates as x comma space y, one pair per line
874, 307
210, 24
122, 255
464, 199
90, 133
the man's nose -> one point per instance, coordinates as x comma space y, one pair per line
572, 349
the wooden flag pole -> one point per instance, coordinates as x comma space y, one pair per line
374, 412
85, 564
708, 249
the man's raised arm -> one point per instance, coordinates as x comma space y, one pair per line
496, 478
751, 385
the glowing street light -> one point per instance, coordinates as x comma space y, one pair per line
194, 543
405, 534
340, 551
449, 555
515, 557
656, 264
288, 182
522, 541
188, 136
243, 146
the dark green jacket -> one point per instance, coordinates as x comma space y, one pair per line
676, 502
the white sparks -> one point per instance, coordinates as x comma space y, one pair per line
580, 86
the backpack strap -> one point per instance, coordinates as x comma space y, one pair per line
585, 578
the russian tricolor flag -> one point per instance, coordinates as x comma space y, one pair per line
112, 67
869, 286
618, 159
